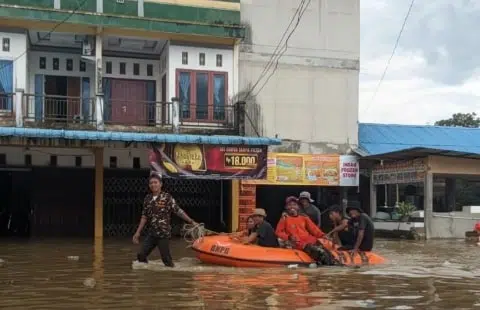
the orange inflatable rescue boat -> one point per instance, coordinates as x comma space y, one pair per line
224, 251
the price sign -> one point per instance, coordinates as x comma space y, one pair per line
240, 161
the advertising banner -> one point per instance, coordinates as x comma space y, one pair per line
198, 161
308, 169
349, 171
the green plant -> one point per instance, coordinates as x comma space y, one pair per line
405, 210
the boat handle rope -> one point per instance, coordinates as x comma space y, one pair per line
194, 232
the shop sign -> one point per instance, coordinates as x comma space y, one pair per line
198, 161
349, 170
310, 170
400, 172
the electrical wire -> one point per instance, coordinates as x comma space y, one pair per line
48, 33
391, 56
285, 47
297, 15
270, 61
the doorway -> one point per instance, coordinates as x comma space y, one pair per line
15, 206
62, 97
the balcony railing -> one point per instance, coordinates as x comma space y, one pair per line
207, 115
58, 111
122, 115
137, 113
7, 103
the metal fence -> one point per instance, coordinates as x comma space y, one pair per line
58, 109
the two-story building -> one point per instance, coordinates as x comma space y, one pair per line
86, 87
301, 58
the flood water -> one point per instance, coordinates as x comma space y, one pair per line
74, 274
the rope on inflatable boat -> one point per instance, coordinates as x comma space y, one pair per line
193, 232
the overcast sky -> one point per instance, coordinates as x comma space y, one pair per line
436, 69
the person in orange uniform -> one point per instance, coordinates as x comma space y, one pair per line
301, 232
477, 229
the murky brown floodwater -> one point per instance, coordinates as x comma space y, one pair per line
40, 275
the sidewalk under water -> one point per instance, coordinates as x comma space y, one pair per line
74, 274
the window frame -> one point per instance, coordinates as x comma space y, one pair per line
193, 95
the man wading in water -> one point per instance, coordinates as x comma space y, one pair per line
157, 212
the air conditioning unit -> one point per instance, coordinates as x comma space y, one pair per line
87, 48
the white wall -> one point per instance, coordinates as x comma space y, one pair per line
18, 48
129, 62
34, 68
175, 62
312, 98
15, 156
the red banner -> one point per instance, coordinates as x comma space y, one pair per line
197, 161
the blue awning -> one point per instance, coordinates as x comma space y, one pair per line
133, 136
382, 139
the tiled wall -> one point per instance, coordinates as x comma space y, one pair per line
247, 204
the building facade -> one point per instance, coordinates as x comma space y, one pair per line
299, 74
311, 98
85, 88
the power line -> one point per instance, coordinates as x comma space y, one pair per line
300, 10
391, 56
48, 33
251, 124
270, 61
285, 46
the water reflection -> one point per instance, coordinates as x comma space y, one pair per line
44, 275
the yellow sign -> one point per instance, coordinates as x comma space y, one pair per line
301, 169
240, 161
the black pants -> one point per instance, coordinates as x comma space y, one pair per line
321, 255
163, 245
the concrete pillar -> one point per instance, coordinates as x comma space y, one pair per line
236, 68
56, 4
175, 115
99, 6
428, 204
19, 107
234, 205
98, 259
99, 99
98, 152
140, 8
373, 197
240, 114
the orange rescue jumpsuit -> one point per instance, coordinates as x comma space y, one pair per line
301, 228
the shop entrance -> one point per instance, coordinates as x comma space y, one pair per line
206, 201
15, 206
272, 199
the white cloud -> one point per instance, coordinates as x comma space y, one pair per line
423, 84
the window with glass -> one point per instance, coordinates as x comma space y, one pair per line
202, 95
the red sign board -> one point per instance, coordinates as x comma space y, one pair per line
198, 161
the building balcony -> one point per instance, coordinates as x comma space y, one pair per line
63, 112
202, 19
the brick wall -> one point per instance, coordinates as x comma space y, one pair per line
247, 203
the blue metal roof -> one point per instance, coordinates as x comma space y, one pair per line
376, 139
132, 136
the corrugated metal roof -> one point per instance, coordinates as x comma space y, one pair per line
376, 139
132, 136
